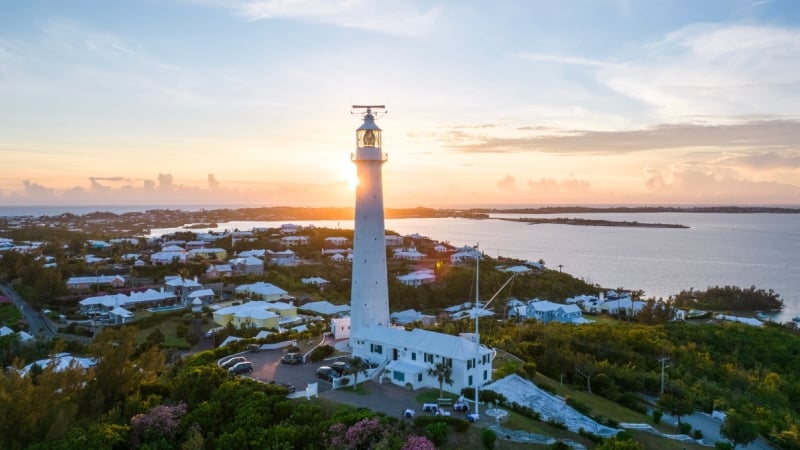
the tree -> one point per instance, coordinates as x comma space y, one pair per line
586, 366
357, 365
739, 428
676, 404
442, 372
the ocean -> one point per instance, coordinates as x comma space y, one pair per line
761, 250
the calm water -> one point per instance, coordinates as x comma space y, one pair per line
761, 250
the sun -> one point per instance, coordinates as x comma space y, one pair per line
350, 175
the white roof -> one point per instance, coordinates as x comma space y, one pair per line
247, 261
314, 280
254, 253
172, 248
122, 312
422, 340
101, 279
261, 288
325, 307
201, 293
185, 282
60, 362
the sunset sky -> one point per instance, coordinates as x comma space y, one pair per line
240, 102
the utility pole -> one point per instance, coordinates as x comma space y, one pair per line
663, 360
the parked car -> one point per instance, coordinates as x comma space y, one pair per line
241, 367
292, 358
341, 367
326, 373
230, 362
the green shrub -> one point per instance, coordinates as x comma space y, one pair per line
488, 438
684, 428
578, 405
437, 433
657, 415
722, 445
320, 353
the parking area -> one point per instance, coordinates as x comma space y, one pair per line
389, 399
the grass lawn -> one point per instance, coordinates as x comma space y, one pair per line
9, 314
168, 328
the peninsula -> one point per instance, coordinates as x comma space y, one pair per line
594, 222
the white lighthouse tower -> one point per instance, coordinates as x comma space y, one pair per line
369, 297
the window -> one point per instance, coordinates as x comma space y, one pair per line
469, 383
399, 376
428, 358
448, 362
485, 376
376, 348
469, 364
413, 356
419, 377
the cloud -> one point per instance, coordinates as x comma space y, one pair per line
507, 184
761, 135
717, 70
389, 16
706, 186
166, 191
570, 186
765, 160
165, 182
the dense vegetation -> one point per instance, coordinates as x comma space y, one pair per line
729, 298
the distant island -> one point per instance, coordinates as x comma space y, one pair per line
142, 221
641, 209
595, 222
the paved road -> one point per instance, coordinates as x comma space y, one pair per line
37, 324
709, 426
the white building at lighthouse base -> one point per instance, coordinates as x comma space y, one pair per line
405, 357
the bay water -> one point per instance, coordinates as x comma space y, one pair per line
761, 250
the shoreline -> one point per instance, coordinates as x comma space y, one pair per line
595, 223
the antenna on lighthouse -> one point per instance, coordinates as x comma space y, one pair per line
373, 110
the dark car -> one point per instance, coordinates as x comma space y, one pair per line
292, 358
230, 362
241, 367
326, 373
341, 367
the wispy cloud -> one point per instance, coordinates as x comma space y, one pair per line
396, 17
762, 135
720, 70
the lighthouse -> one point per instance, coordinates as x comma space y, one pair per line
369, 297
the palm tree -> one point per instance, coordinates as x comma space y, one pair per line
442, 372
358, 365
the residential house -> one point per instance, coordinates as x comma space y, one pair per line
336, 241
409, 355
316, 281
164, 258
217, 253
86, 282
294, 241
249, 265
465, 255
410, 316
410, 254
417, 278
393, 240
547, 312
215, 271
263, 291
622, 307
326, 308
258, 313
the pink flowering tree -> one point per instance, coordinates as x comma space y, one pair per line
158, 425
